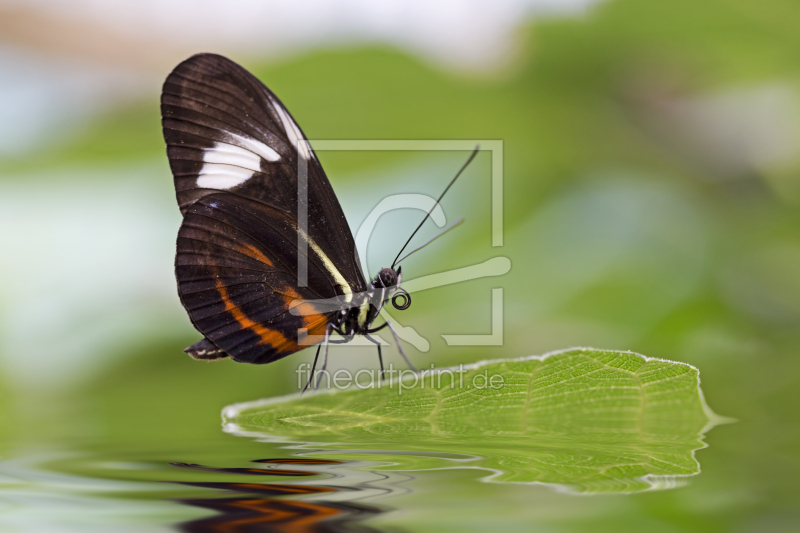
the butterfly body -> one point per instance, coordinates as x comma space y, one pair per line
357, 320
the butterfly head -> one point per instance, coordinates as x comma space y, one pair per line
387, 278
388, 282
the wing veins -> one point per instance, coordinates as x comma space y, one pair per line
245, 104
325, 317
294, 244
274, 291
186, 120
260, 322
255, 121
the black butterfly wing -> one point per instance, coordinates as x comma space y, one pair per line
233, 150
237, 278
226, 131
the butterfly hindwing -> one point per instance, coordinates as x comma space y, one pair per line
234, 151
236, 280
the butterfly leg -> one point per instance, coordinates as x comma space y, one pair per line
380, 356
380, 360
313, 368
375, 330
400, 348
324, 356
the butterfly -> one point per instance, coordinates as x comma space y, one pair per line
234, 151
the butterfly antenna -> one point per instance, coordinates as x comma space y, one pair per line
464, 166
447, 228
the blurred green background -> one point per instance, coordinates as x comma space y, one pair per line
652, 203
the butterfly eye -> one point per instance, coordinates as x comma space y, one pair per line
401, 300
387, 277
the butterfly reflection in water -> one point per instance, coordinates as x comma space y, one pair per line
234, 152
294, 506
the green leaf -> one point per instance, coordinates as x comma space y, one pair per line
587, 420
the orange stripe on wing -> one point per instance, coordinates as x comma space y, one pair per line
313, 320
268, 336
251, 251
314, 323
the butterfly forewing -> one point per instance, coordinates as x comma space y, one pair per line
233, 150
